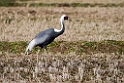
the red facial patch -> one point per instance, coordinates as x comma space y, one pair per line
66, 18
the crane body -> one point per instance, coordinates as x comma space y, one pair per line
43, 38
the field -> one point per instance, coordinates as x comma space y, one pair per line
73, 1
91, 50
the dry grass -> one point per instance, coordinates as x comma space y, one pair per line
85, 24
76, 1
59, 68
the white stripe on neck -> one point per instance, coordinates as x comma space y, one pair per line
62, 25
57, 30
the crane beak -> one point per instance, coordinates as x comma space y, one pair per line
66, 18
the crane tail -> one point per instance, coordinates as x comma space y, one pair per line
30, 46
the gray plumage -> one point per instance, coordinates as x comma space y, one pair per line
45, 37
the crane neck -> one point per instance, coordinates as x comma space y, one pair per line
62, 27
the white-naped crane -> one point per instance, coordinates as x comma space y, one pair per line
43, 38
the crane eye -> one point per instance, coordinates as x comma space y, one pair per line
66, 18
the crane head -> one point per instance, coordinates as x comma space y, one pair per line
64, 17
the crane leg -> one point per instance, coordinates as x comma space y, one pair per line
45, 50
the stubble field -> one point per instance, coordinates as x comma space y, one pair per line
90, 50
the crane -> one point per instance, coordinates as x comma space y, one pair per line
43, 38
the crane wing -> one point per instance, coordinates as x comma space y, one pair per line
42, 40
37, 41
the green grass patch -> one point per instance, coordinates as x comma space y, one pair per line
5, 3
13, 47
107, 46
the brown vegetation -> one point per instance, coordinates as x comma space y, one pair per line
93, 25
87, 24
74, 1
100, 67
